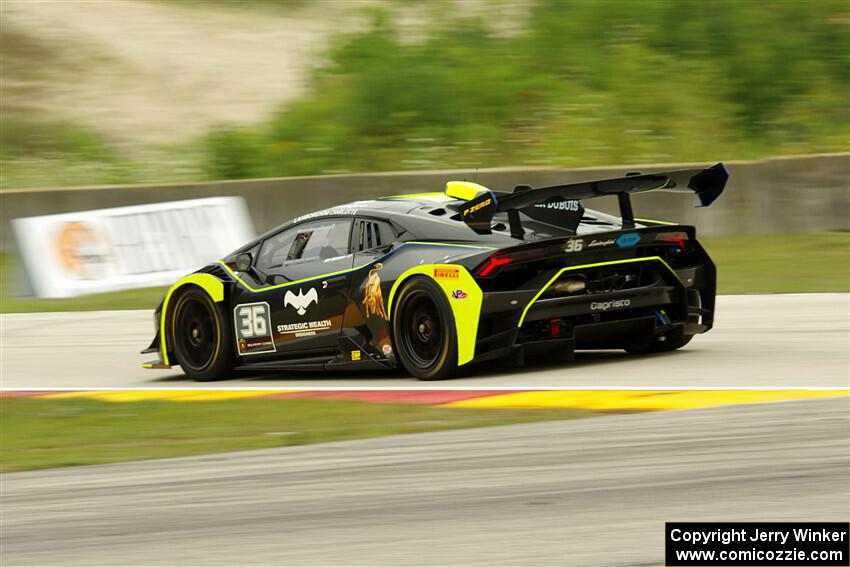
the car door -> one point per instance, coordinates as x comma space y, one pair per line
371, 240
303, 274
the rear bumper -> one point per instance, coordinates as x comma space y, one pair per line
556, 327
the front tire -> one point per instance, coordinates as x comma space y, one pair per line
424, 330
201, 338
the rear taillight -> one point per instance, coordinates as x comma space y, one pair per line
495, 263
678, 238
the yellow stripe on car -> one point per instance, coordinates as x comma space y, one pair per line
435, 197
584, 266
248, 287
652, 221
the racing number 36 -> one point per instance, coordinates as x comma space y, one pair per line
574, 245
253, 320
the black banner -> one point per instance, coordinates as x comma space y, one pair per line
762, 544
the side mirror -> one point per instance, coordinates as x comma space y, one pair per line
244, 262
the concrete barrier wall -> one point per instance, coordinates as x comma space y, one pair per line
783, 195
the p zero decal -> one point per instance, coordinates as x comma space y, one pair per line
477, 206
252, 322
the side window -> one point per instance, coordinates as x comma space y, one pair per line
316, 240
320, 240
372, 234
275, 249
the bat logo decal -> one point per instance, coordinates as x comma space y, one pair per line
301, 301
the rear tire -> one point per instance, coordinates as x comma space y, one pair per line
202, 339
424, 330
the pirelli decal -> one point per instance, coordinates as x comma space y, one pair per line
446, 273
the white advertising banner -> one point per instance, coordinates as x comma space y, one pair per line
128, 247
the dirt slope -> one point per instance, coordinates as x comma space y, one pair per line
150, 72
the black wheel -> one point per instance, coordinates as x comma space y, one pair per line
202, 342
665, 343
424, 330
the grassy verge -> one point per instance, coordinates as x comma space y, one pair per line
790, 263
793, 263
10, 302
39, 433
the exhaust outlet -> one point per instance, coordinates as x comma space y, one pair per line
571, 285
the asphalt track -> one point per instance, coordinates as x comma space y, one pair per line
792, 341
595, 491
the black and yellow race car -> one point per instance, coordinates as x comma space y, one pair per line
438, 281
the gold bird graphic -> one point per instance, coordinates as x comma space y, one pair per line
373, 299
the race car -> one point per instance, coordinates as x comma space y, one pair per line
437, 282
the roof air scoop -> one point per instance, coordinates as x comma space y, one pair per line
465, 190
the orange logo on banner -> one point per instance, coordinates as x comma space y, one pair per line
83, 250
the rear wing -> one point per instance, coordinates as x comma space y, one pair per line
707, 185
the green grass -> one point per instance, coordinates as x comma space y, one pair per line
11, 277
790, 263
38, 433
144, 298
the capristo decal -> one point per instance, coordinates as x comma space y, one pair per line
446, 273
628, 240
253, 328
613, 304
373, 299
301, 301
